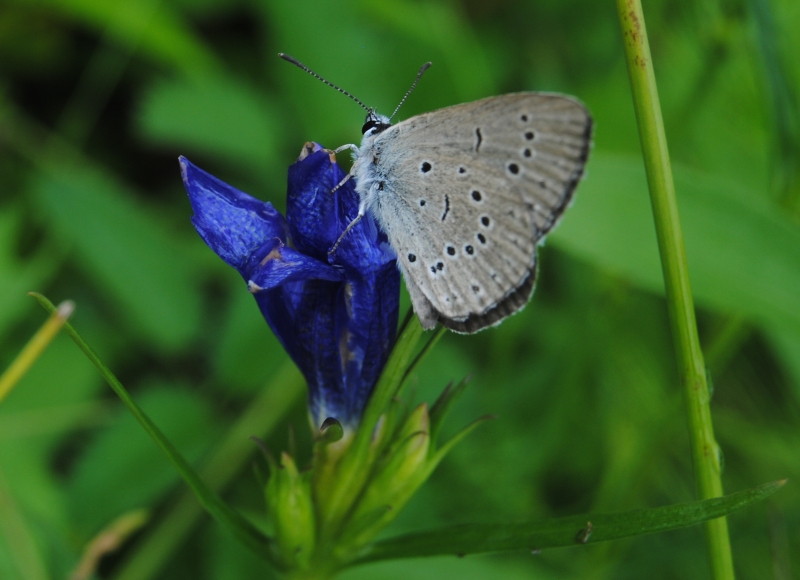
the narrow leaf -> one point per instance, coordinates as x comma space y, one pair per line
238, 122
351, 473
156, 29
442, 406
437, 334
393, 374
245, 531
155, 551
33, 350
478, 538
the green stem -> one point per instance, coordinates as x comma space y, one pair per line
227, 461
680, 307
244, 530
34, 349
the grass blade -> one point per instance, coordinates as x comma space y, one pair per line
225, 462
33, 350
232, 520
480, 538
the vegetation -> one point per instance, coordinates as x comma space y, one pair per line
98, 99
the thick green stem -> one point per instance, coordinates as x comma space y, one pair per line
705, 453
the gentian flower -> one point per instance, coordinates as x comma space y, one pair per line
336, 315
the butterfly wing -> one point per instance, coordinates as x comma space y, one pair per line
467, 192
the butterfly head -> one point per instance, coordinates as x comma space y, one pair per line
374, 124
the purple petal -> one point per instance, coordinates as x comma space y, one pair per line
277, 264
232, 223
336, 315
318, 217
310, 205
364, 314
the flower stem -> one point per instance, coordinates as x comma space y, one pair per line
223, 464
34, 349
680, 307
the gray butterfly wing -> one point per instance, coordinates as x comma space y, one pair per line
468, 192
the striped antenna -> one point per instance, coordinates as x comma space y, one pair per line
299, 64
425, 67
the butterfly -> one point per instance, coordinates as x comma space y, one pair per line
465, 195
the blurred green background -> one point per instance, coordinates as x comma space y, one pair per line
97, 100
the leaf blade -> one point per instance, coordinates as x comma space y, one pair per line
226, 516
744, 256
480, 538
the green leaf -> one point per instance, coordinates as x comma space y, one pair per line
442, 405
246, 350
743, 254
787, 342
134, 472
352, 471
153, 27
437, 335
17, 276
479, 538
146, 272
393, 375
455, 40
245, 531
57, 396
452, 568
17, 535
215, 115
285, 386
785, 111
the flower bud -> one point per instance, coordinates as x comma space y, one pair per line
402, 470
290, 508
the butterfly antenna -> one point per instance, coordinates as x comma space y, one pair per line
299, 64
425, 67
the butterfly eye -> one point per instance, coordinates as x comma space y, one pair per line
370, 124
373, 125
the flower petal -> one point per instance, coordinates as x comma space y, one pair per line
367, 334
364, 315
336, 315
276, 264
318, 217
232, 223
310, 205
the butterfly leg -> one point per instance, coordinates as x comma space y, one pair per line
351, 147
354, 149
343, 181
361, 211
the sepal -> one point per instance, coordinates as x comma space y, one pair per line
291, 512
400, 457
404, 459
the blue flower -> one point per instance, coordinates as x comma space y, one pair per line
335, 315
